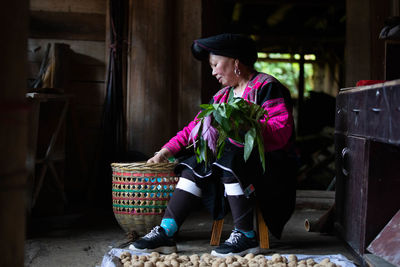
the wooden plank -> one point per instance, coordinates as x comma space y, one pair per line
351, 190
314, 203
383, 201
394, 99
87, 6
358, 43
150, 96
81, 77
315, 194
188, 88
85, 52
372, 260
67, 25
387, 244
379, 12
170, 99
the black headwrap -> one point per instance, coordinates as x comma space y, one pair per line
227, 44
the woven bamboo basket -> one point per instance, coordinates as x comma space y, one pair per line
140, 194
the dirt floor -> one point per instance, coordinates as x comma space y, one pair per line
57, 242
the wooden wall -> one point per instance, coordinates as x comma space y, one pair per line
13, 132
164, 80
164, 88
81, 25
364, 51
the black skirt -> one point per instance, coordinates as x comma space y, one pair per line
275, 189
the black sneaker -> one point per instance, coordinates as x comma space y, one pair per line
237, 244
155, 240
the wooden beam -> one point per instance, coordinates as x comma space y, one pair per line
67, 25
87, 6
294, 2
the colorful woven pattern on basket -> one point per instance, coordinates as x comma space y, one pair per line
141, 193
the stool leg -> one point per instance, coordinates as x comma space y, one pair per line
216, 232
262, 230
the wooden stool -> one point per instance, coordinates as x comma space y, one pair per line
262, 231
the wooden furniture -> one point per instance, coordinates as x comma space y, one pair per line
392, 59
47, 162
367, 145
262, 231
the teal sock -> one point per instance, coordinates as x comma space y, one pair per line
248, 234
169, 226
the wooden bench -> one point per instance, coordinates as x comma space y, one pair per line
262, 231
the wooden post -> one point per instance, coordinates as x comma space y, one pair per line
216, 232
13, 132
262, 230
300, 99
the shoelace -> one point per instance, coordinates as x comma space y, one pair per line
153, 232
234, 237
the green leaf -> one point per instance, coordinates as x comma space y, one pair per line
232, 120
249, 143
228, 111
223, 122
222, 110
207, 106
260, 143
205, 113
203, 147
197, 152
221, 149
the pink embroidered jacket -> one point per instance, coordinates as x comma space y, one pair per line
263, 90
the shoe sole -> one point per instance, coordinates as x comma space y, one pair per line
164, 250
255, 251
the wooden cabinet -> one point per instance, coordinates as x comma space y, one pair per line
392, 59
367, 144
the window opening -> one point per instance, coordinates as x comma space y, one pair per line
286, 68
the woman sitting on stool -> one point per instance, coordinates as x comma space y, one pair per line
231, 57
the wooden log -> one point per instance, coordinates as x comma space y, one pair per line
324, 224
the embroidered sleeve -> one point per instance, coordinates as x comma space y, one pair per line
180, 140
279, 128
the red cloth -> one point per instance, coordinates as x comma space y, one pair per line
369, 82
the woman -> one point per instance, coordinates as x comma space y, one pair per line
231, 57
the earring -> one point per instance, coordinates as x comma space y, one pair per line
236, 71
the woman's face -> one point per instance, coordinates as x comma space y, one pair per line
223, 69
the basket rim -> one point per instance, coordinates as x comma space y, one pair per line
144, 166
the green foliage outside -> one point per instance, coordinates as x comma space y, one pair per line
288, 73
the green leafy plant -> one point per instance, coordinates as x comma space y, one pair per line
238, 120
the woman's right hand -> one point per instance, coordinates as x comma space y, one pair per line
160, 156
